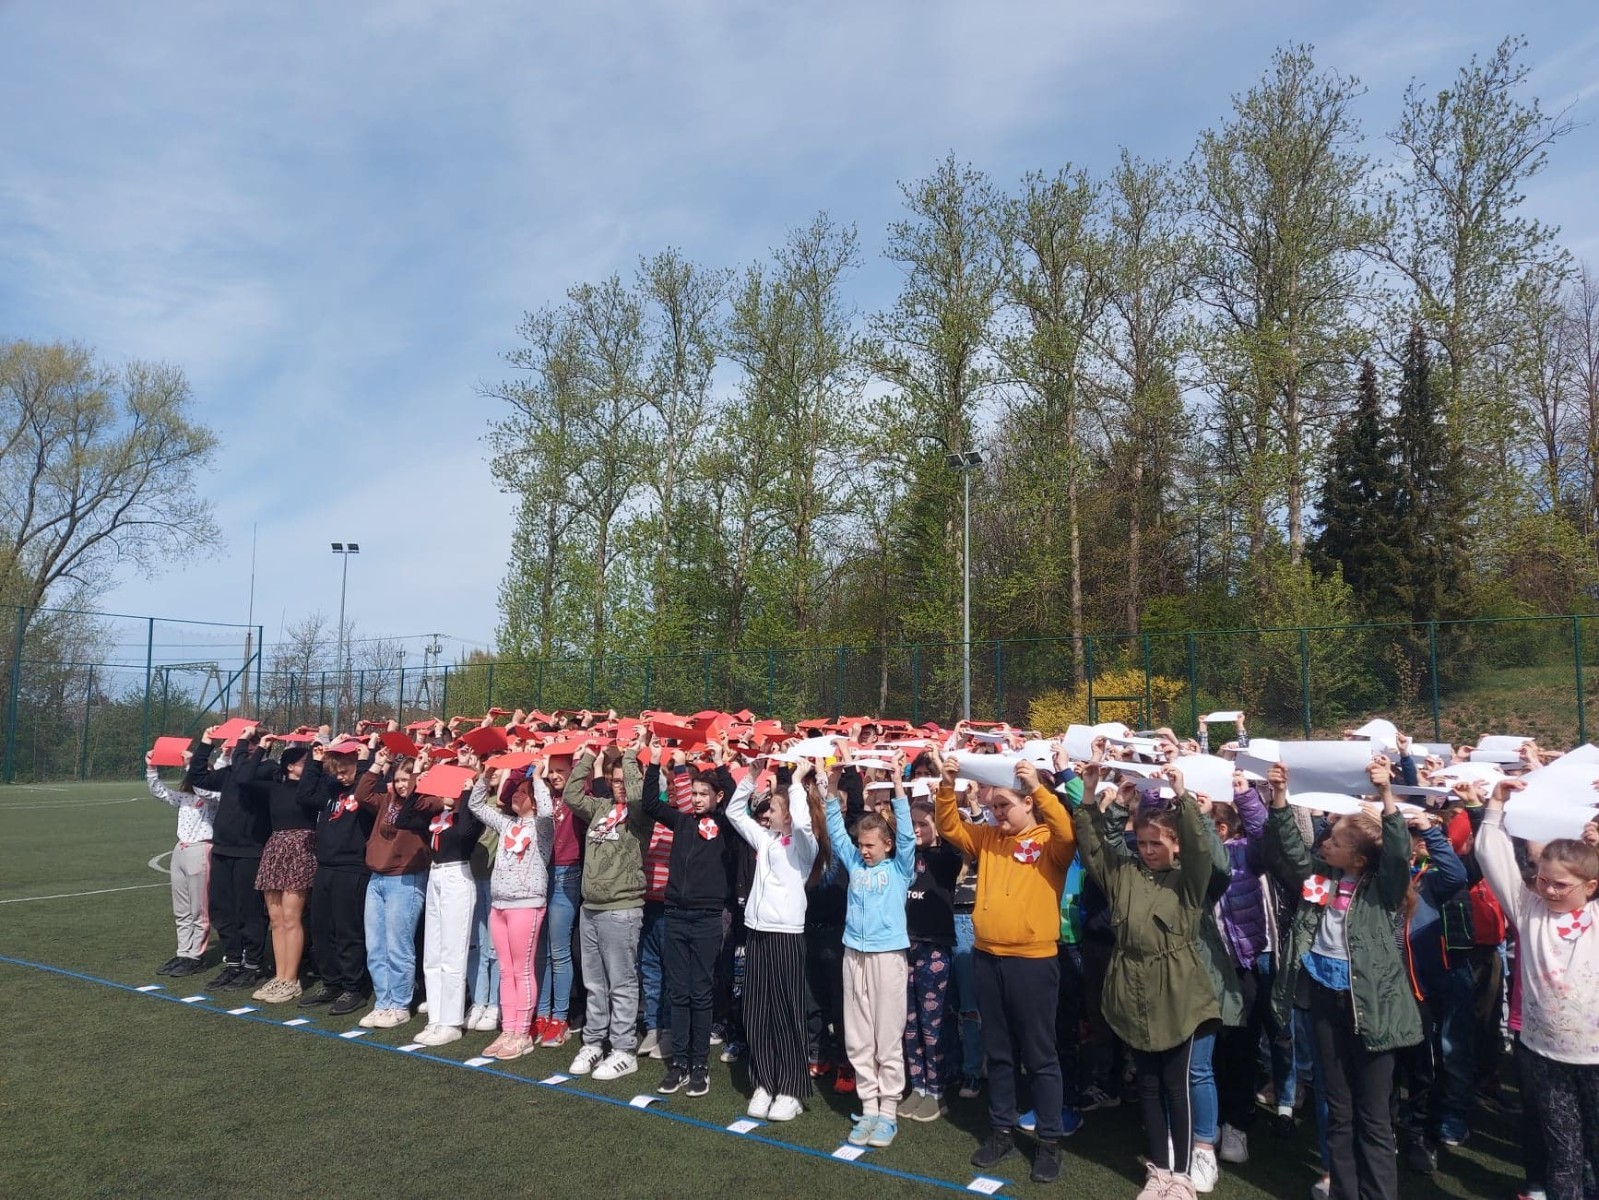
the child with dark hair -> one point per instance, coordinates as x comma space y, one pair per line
930, 924
288, 865
875, 942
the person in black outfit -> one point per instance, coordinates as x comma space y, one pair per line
239, 834
338, 893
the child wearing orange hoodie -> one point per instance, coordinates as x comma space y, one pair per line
1021, 869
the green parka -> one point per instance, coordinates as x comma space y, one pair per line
1158, 991
1386, 1016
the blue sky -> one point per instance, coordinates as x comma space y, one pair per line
334, 215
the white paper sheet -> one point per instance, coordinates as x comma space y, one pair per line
1080, 738
1582, 754
1222, 718
996, 770
1544, 822
1206, 774
1040, 753
1501, 741
1561, 782
1470, 772
988, 737
1317, 766
1380, 730
1331, 802
816, 747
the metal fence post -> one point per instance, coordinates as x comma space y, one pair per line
399, 699
444, 695
166, 695
916, 684
649, 677
1149, 703
16, 695
88, 701
771, 681
489, 698
1304, 679
1582, 701
1193, 687
592, 664
999, 680
260, 657
149, 665
838, 682
1432, 675
1088, 678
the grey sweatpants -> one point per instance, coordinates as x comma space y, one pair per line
191, 875
609, 941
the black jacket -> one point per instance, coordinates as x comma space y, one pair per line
340, 833
698, 872
930, 903
456, 843
240, 829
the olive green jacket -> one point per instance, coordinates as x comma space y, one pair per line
1157, 989
613, 870
1385, 1012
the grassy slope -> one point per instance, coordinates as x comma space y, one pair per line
110, 1093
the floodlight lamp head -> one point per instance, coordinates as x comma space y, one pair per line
338, 547
353, 548
953, 460
972, 458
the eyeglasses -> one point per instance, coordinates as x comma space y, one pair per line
1549, 885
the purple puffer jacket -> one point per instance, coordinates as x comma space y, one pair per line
1243, 911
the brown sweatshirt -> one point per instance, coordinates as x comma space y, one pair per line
390, 850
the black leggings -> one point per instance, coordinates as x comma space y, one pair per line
1164, 1099
1568, 1101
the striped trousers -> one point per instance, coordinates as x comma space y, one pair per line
774, 1012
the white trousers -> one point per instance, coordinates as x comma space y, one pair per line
446, 937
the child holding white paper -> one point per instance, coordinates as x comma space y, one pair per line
1361, 1007
1021, 869
1558, 969
774, 950
875, 974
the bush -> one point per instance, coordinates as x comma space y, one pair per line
1052, 711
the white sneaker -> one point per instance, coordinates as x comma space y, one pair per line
422, 1009
1202, 1169
662, 1048
617, 1064
439, 1035
370, 1021
760, 1104
390, 1018
489, 1020
586, 1059
785, 1108
473, 1016
1234, 1147
648, 1044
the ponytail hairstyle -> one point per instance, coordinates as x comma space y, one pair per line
824, 844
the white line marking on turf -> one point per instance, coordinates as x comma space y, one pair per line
155, 863
97, 892
67, 804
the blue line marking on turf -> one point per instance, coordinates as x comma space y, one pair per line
658, 1111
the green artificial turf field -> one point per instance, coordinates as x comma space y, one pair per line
110, 1092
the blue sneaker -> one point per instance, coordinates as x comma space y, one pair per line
861, 1134
1028, 1121
883, 1132
1070, 1121
1452, 1131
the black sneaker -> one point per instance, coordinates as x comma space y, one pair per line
1046, 1163
348, 1002
185, 966
1000, 1145
228, 973
699, 1081
674, 1078
323, 995
166, 967
248, 979
1420, 1157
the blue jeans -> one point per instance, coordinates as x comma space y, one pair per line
1307, 1057
482, 965
655, 1005
1202, 1088
971, 1026
393, 908
555, 941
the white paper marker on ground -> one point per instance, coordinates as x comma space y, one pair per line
298, 1021
239, 1012
193, 999
552, 1080
744, 1125
985, 1184
849, 1153
643, 1101
479, 1061
414, 1046
149, 987
353, 1033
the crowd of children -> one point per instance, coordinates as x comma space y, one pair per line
901, 913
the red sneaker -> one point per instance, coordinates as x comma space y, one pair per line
818, 1069
541, 1026
555, 1033
844, 1084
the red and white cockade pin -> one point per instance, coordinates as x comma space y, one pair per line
1317, 889
518, 841
1027, 851
709, 828
1573, 925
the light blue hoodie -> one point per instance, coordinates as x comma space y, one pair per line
874, 920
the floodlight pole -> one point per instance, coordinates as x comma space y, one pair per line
343, 552
966, 600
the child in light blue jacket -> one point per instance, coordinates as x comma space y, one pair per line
881, 863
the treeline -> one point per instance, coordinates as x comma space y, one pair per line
1304, 377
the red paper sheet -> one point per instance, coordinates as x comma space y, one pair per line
518, 761
445, 781
490, 739
398, 743
168, 751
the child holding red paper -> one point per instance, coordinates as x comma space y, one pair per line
190, 865
519, 888
398, 860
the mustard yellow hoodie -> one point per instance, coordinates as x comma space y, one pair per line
1019, 879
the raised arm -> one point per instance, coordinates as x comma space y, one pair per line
844, 848
738, 813
577, 795
478, 803
946, 811
1496, 854
904, 835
